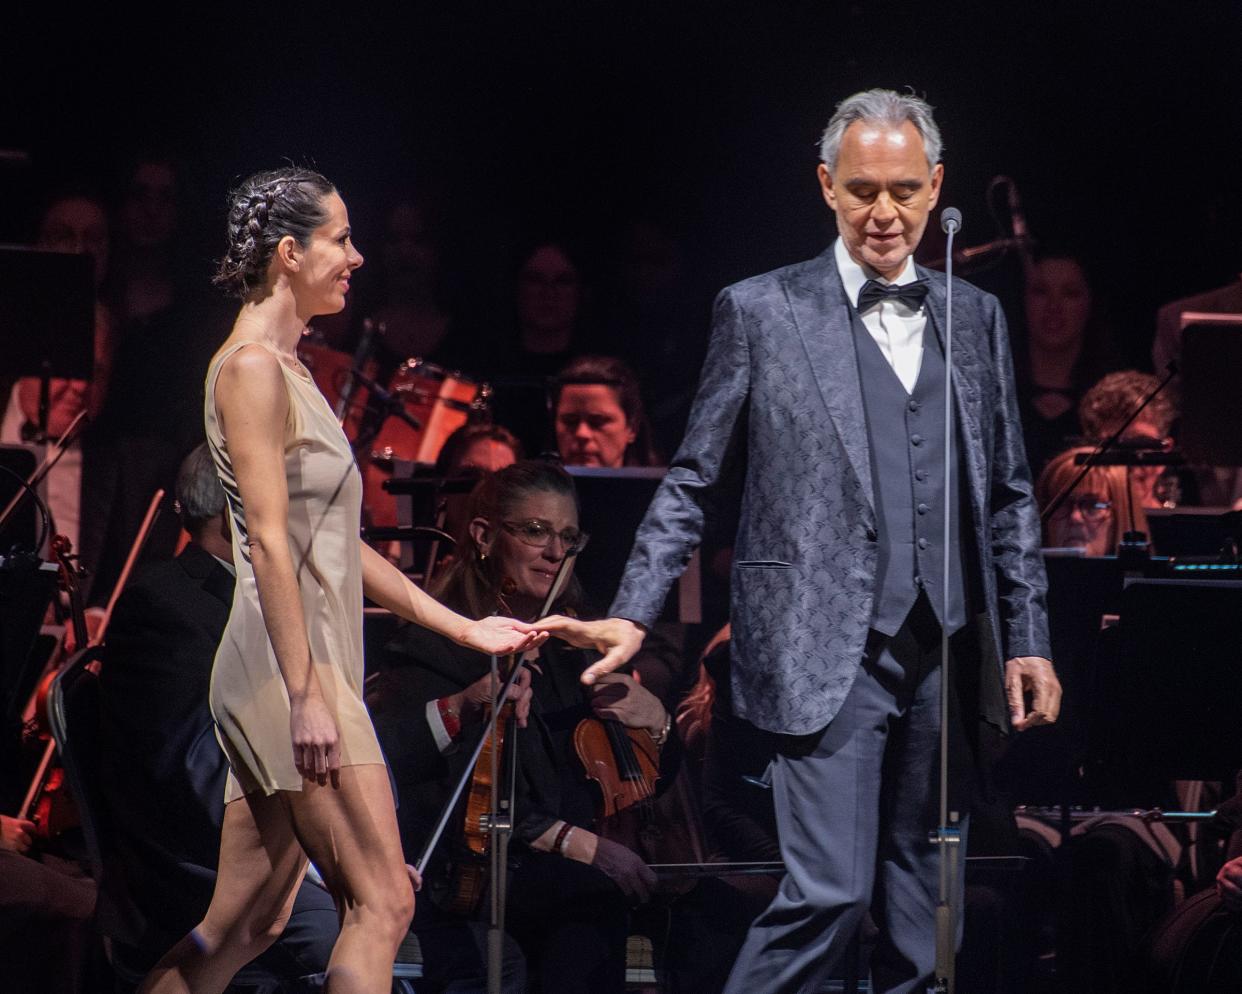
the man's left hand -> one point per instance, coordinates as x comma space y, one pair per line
1032, 675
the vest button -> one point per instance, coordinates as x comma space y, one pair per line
913, 405
923, 509
922, 543
920, 475
916, 439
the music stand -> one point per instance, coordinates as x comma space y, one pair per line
1167, 704
613, 503
1211, 368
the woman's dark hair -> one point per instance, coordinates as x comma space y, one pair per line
598, 370
458, 444
472, 585
264, 209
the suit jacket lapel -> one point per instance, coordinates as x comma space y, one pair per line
966, 375
821, 313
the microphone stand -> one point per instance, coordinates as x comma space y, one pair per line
499, 821
948, 835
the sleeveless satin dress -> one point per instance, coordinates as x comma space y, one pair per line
249, 701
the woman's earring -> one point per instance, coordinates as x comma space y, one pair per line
482, 555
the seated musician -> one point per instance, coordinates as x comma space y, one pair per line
46, 902
598, 414
1093, 517
572, 888
1106, 406
162, 771
1197, 948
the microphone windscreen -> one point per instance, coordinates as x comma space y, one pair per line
950, 219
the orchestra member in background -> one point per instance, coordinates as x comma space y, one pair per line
825, 380
597, 410
571, 894
1096, 514
74, 222
307, 777
1106, 406
1066, 348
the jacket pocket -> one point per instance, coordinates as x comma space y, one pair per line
762, 564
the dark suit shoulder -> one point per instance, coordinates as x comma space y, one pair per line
809, 271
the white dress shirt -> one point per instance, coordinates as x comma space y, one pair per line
897, 329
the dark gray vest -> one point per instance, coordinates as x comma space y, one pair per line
906, 435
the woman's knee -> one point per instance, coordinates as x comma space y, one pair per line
388, 914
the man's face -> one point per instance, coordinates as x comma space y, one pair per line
882, 191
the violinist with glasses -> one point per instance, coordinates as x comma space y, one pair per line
571, 888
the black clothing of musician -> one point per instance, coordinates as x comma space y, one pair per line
570, 918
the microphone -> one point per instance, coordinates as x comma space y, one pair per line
1017, 221
950, 220
366, 343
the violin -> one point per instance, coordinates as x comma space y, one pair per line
47, 803
662, 828
487, 817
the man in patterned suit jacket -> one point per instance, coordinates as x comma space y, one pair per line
828, 382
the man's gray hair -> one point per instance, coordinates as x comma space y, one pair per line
884, 107
200, 498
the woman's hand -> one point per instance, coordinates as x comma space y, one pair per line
619, 696
625, 868
501, 636
316, 742
617, 638
471, 702
16, 834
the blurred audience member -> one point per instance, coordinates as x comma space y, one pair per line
597, 408
146, 280
657, 321
1066, 350
412, 306
74, 222
547, 330
1094, 516
169, 327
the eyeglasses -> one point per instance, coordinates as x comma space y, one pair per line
539, 534
1091, 507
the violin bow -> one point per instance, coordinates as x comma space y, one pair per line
558, 581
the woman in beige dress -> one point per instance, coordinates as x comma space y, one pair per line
308, 778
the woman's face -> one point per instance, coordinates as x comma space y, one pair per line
1058, 303
487, 454
591, 427
327, 262
529, 545
548, 291
1084, 522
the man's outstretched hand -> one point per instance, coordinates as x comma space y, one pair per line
617, 638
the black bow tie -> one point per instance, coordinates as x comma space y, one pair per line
910, 294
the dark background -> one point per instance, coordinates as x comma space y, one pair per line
1120, 124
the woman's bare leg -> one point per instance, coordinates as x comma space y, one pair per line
350, 833
261, 868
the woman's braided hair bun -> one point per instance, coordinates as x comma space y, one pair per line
263, 209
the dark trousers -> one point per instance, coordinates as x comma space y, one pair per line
854, 806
